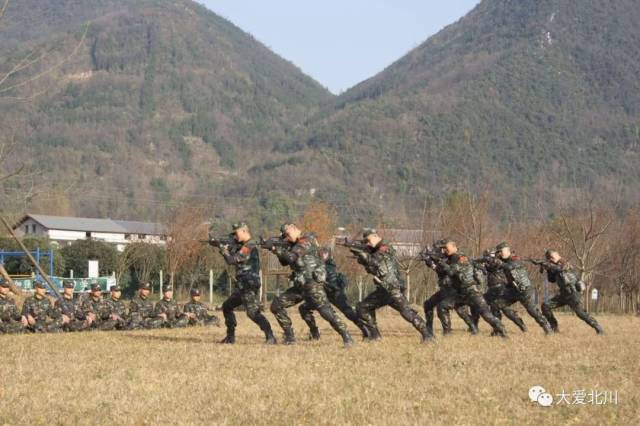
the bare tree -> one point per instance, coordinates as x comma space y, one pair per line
185, 229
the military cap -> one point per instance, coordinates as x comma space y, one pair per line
195, 292
502, 245
115, 288
441, 243
145, 286
68, 284
95, 287
4, 283
239, 225
38, 284
368, 231
167, 288
446, 241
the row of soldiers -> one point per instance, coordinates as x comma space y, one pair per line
94, 312
316, 285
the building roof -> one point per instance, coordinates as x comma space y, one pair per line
84, 224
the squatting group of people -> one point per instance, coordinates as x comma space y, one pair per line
316, 285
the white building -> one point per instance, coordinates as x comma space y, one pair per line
65, 230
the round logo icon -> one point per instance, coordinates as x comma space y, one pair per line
535, 392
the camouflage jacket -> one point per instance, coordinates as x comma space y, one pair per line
516, 274
69, 307
246, 259
113, 307
335, 280
9, 310
198, 308
142, 308
303, 258
461, 270
39, 308
495, 274
168, 307
562, 274
381, 262
92, 306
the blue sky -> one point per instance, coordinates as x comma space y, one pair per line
340, 43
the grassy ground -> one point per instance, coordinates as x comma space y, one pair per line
182, 376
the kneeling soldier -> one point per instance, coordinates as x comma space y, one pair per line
197, 312
114, 312
69, 309
40, 315
11, 322
168, 310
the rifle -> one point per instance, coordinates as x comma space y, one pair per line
542, 264
273, 242
218, 242
351, 244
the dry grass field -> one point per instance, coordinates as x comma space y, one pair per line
183, 377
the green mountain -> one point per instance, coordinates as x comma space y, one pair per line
154, 103
522, 98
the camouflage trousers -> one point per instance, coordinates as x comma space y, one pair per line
471, 296
111, 324
12, 327
314, 296
494, 293
204, 320
510, 296
75, 325
139, 323
337, 298
443, 301
54, 326
394, 297
574, 302
249, 299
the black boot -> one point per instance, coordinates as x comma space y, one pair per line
314, 333
289, 337
427, 337
374, 334
230, 339
346, 339
270, 339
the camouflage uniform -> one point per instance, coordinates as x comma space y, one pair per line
381, 262
200, 312
175, 317
562, 274
10, 318
461, 270
519, 289
496, 282
445, 299
335, 288
117, 308
246, 259
71, 308
142, 314
309, 277
92, 305
48, 320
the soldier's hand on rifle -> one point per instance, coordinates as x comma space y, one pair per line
163, 316
115, 317
24, 321
31, 320
91, 318
65, 319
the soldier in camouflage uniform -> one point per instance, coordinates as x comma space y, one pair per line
309, 277
40, 315
11, 321
518, 287
561, 273
380, 261
244, 256
114, 315
445, 299
460, 269
141, 310
92, 307
335, 288
69, 309
197, 312
496, 281
168, 310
